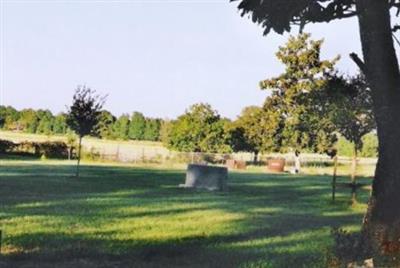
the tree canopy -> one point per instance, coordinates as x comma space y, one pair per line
350, 107
295, 96
280, 16
200, 129
83, 114
137, 126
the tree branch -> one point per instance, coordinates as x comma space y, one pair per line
359, 62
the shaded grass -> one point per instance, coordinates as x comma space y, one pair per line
120, 216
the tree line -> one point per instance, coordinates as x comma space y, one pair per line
199, 129
124, 127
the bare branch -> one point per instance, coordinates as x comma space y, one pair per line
358, 61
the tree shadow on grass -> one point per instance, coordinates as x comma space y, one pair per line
34, 183
281, 219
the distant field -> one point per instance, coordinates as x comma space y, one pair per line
124, 216
18, 137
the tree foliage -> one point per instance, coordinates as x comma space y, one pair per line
28, 120
83, 114
301, 122
32, 121
152, 129
369, 149
200, 129
108, 126
104, 127
45, 122
256, 130
280, 16
350, 107
121, 127
137, 126
60, 124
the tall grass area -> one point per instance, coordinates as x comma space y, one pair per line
124, 216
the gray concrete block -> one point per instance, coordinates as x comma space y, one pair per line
206, 177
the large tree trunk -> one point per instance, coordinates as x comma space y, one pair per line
382, 221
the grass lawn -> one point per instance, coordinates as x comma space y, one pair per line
122, 216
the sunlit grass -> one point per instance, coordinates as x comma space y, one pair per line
127, 216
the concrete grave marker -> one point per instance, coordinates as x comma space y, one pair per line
206, 177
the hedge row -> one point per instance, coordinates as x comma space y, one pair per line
53, 149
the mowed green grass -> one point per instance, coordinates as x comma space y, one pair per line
122, 216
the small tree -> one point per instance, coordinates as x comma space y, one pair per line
83, 115
350, 109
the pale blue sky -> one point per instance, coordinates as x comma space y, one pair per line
157, 57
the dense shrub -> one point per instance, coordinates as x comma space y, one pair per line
49, 149
56, 149
6, 146
27, 147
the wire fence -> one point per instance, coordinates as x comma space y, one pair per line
158, 154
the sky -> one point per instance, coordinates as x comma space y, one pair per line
156, 57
